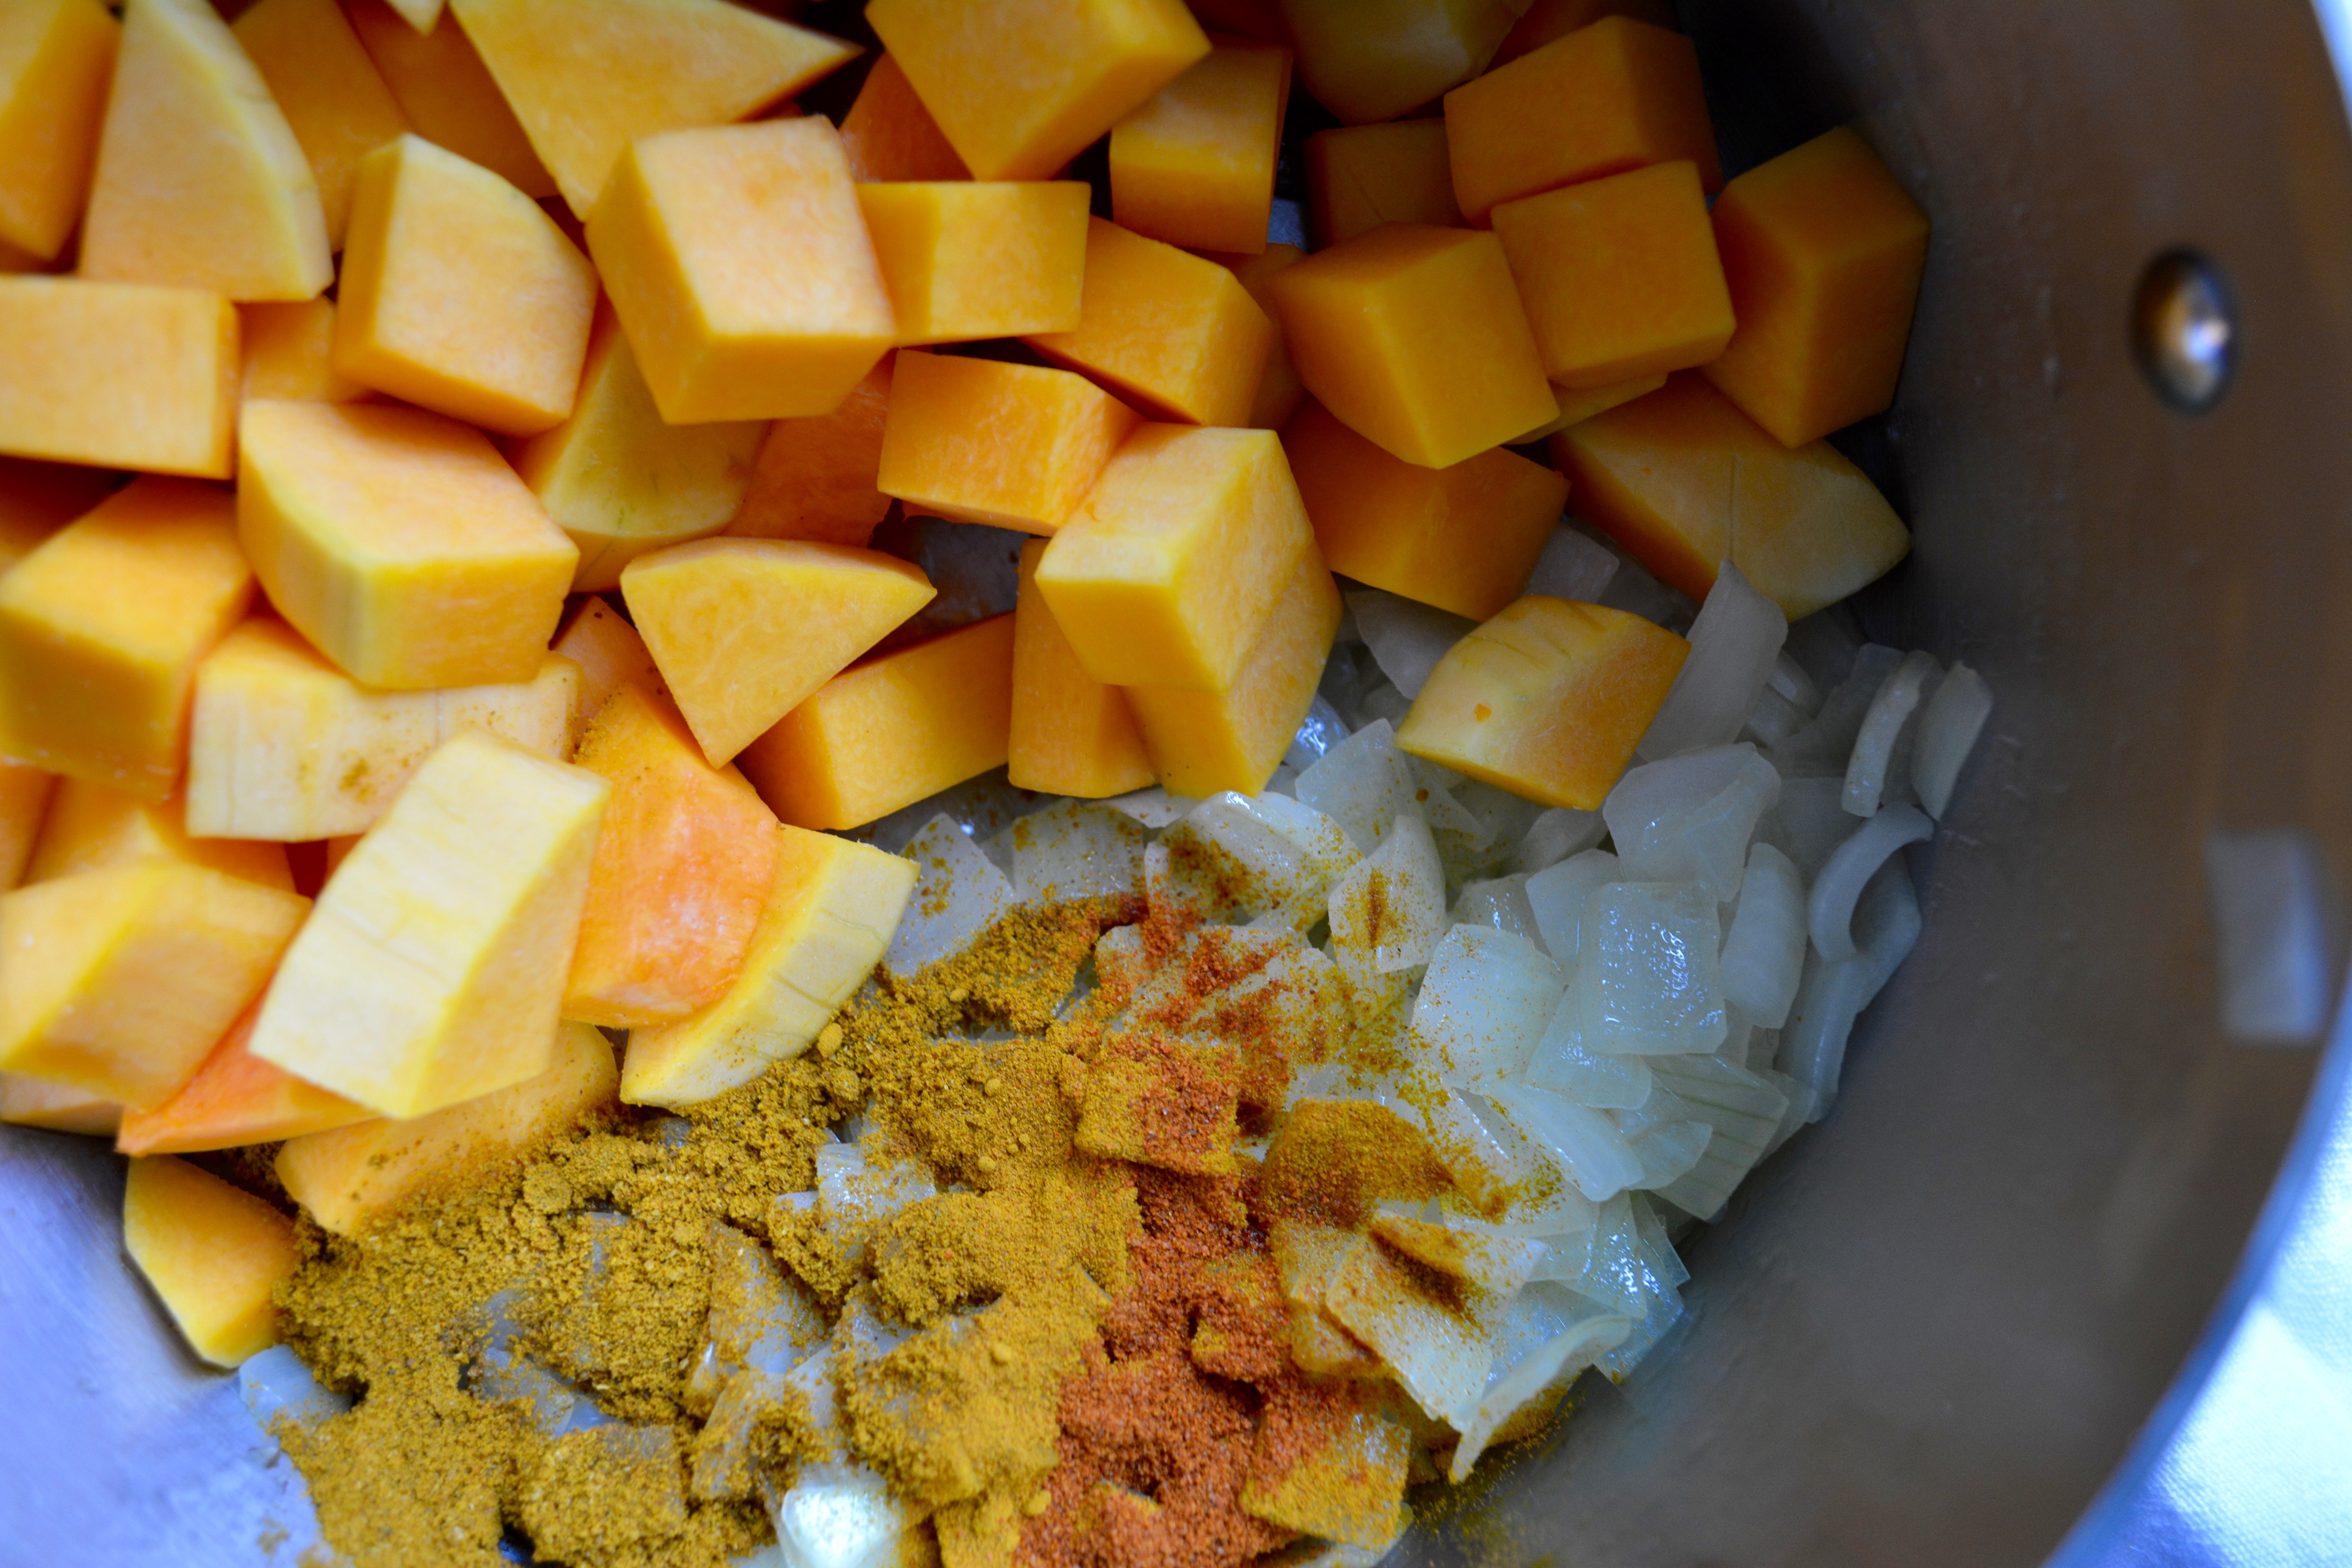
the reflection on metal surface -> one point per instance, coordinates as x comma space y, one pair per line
2185, 331
2274, 918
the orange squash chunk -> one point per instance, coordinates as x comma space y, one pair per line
1374, 60
39, 499
1547, 700
610, 654
891, 731
288, 354
1414, 337
1361, 176
1020, 87
122, 374
89, 825
1278, 392
447, 93
681, 873
968, 259
1823, 251
814, 478
1014, 445
1667, 474
215, 1255
333, 98
1619, 276
56, 57
1544, 20
234, 1099
890, 135
1171, 332
1071, 734
24, 795
1576, 406
1462, 538
1195, 165
1617, 95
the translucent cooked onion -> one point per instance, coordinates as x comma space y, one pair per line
1735, 642
958, 893
1690, 818
1829, 736
1396, 928
1559, 895
842, 1516
1407, 638
1546, 1337
1573, 567
275, 1382
1807, 822
1563, 1064
1500, 902
1485, 1003
1835, 993
1668, 1150
1322, 728
1830, 910
1949, 728
1362, 783
1648, 976
1743, 1108
1586, 1145
1289, 854
1887, 727
1555, 835
1074, 848
1764, 951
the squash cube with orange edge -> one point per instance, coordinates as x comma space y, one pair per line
813, 478
1194, 164
333, 98
1617, 95
891, 731
89, 827
1544, 20
59, 56
829, 917
1414, 336
290, 353
447, 93
25, 795
29, 1103
39, 499
1361, 176
213, 1254
966, 259
1278, 392
1462, 539
1021, 87
1014, 446
610, 654
236, 1099
1374, 60
1071, 734
1576, 406
1824, 252
889, 135
739, 261
1547, 700
124, 375
1174, 334
101, 629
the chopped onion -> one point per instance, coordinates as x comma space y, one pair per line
1362, 783
1289, 854
1555, 835
1485, 1003
275, 1382
1608, 1267
1074, 848
1153, 807
1587, 1147
958, 893
1396, 928
1559, 895
1764, 951
1789, 682
1835, 993
1824, 644
1501, 903
1807, 822
1322, 729
1541, 1346
1734, 642
1438, 1351
1633, 590
1407, 638
1647, 977
1830, 911
1384, 702
1690, 818
1829, 736
1433, 791
1885, 728
842, 1516
855, 1194
1563, 1064
1744, 1108
1774, 721
1572, 566
1949, 728
1668, 1150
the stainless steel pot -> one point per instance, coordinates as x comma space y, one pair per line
1932, 1328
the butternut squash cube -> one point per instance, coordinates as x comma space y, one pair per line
25, 795
1361, 176
888, 134
400, 544
1576, 407
1175, 334
333, 98
1020, 87
891, 731
1194, 164
29, 1103
740, 267
235, 1099
1547, 700
1014, 446
39, 499
56, 57
285, 747
830, 909
1278, 392
1617, 95
120, 374
119, 981
968, 259
1464, 538
213, 1255
815, 478
1166, 573
288, 354
1666, 475
89, 827
610, 654
619, 479
1071, 734
1544, 20
200, 182
1374, 60
1823, 251
447, 93
102, 626
352, 1176
431, 968
1204, 741
682, 870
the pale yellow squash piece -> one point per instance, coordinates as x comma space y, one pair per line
56, 57
25, 795
123, 376
29, 1103
215, 1254
288, 354
610, 654
334, 99
91, 826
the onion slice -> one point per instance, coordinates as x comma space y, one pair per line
1764, 951
1872, 763
1949, 728
1735, 644
1828, 913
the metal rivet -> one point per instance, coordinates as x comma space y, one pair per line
2184, 330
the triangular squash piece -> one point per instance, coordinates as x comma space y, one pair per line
200, 182
587, 80
420, 14
234, 1099
447, 92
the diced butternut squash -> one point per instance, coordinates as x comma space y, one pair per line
432, 968
288, 354
333, 98
1071, 734
682, 870
1260, 19
1195, 165
1823, 251
1619, 276
121, 375
89, 827
1617, 95
831, 908
200, 182
740, 267
350, 1177
610, 654
101, 629
967, 260
1014, 445
399, 542
1414, 337
1019, 86
891, 731
25, 795
742, 629
1374, 60
1204, 741
1544, 20
619, 479
1576, 407
285, 747
1547, 700
56, 57
814, 478
29, 1103
1361, 176
1668, 475
890, 135
447, 91
235, 1099
119, 981
215, 1255
1278, 392
1170, 332
1462, 538
39, 499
